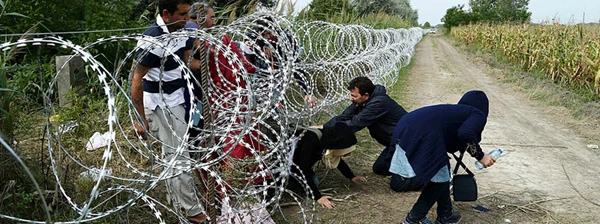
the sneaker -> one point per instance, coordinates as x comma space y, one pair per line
410, 220
454, 218
200, 218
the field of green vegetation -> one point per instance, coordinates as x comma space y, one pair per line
566, 54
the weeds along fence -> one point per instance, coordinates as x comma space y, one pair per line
567, 54
243, 151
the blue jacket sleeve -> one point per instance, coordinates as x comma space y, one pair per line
470, 133
358, 119
345, 115
345, 169
367, 116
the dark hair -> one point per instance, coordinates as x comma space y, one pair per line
363, 84
264, 23
171, 5
338, 136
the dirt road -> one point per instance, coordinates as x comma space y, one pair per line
547, 164
547, 174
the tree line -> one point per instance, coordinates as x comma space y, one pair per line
488, 11
325, 10
71, 19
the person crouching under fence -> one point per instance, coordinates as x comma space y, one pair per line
329, 144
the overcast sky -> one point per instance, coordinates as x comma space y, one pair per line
566, 10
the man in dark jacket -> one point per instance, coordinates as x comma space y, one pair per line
371, 108
422, 140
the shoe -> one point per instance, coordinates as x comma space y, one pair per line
454, 218
200, 218
410, 220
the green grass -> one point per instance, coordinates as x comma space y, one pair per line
399, 89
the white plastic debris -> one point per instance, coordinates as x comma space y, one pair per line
592, 146
98, 141
248, 213
507, 221
94, 173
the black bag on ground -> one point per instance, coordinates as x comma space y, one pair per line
464, 187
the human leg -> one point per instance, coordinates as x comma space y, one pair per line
430, 194
444, 204
382, 164
181, 187
445, 213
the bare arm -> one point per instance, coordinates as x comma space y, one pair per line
137, 96
194, 63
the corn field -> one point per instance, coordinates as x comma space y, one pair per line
566, 54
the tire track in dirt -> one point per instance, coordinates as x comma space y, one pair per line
544, 160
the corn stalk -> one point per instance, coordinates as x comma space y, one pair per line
565, 54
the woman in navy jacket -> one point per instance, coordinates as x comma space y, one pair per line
422, 140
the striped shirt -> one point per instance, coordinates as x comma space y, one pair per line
158, 49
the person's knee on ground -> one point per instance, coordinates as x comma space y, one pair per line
381, 166
381, 169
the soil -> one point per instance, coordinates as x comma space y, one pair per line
548, 174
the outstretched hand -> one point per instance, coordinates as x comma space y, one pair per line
324, 202
487, 160
359, 179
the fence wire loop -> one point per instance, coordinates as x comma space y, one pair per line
255, 111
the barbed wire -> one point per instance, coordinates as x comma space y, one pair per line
257, 111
